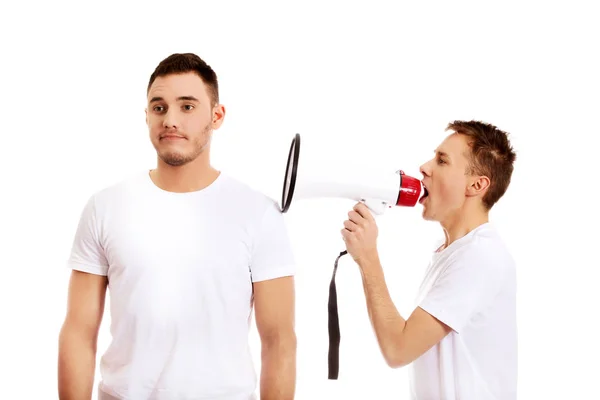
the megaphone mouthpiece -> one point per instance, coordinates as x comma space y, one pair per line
410, 190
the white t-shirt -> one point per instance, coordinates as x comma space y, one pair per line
180, 268
470, 286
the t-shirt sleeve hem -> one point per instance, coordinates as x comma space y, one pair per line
92, 269
274, 273
442, 316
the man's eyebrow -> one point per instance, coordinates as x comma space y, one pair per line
188, 98
441, 153
180, 98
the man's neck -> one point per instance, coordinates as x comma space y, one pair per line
191, 177
462, 224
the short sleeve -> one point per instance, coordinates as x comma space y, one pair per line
467, 285
87, 254
272, 255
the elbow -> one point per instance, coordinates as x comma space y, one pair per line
77, 335
280, 342
396, 357
396, 363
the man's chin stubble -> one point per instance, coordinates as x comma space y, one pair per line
177, 160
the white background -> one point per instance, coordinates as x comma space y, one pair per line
375, 83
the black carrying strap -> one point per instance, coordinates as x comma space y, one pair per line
334, 325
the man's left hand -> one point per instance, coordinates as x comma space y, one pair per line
360, 233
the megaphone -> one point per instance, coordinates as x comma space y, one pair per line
377, 190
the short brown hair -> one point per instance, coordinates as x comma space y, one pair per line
491, 155
180, 63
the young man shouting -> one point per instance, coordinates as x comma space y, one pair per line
461, 340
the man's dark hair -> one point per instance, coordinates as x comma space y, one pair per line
491, 155
180, 63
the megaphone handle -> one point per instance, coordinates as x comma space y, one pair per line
334, 325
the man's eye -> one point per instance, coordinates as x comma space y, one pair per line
440, 161
158, 108
188, 107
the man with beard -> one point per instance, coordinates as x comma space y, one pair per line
187, 253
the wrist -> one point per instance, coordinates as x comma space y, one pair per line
369, 261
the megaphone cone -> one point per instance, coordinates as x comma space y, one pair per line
376, 189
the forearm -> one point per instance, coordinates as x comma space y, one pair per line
278, 370
76, 365
387, 322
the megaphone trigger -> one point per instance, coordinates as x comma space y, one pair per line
377, 207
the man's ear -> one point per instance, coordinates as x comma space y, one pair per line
478, 186
218, 116
146, 112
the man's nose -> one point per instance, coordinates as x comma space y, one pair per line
424, 169
171, 120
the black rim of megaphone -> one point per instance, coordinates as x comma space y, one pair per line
294, 152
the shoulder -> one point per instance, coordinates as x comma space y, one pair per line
257, 213
484, 250
114, 193
247, 198
488, 243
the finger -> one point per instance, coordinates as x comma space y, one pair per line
355, 217
351, 226
364, 211
346, 234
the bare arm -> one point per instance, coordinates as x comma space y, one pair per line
401, 341
274, 309
78, 336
